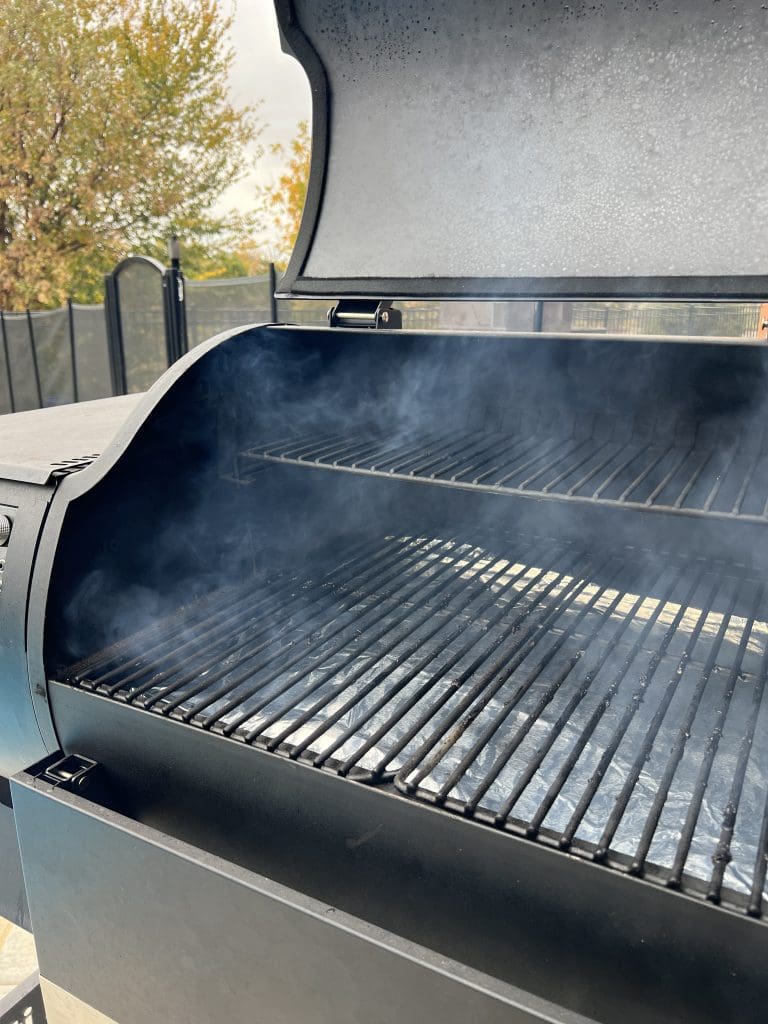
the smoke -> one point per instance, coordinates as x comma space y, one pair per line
303, 548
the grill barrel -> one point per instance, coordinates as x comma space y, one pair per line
554, 695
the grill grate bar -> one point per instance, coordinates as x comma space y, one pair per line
245, 666
755, 905
447, 567
395, 688
151, 639
617, 472
294, 450
572, 468
497, 675
569, 832
182, 672
570, 447
632, 473
692, 480
596, 704
220, 629
365, 666
516, 450
217, 627
722, 854
644, 473
719, 481
514, 742
644, 749
393, 453
389, 624
361, 693
564, 772
505, 459
461, 628
694, 807
745, 485
423, 720
661, 487
572, 450
596, 470
678, 748
456, 455
236, 704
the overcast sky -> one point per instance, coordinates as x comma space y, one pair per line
263, 72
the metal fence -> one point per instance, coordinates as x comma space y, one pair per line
152, 315
712, 319
53, 357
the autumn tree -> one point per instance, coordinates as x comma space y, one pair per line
115, 130
283, 201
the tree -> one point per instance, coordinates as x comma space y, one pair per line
115, 131
205, 262
283, 202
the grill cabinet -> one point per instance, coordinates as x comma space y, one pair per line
423, 675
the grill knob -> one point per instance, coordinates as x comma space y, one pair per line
5, 530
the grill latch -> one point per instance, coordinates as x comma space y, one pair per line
371, 313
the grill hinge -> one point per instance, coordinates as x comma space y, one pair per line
371, 313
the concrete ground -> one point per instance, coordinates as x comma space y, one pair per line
17, 956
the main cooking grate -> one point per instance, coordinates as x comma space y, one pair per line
605, 704
687, 473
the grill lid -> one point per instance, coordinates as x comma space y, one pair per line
549, 149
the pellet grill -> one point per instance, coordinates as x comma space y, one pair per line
358, 674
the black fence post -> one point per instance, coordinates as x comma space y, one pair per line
6, 353
72, 350
114, 336
174, 294
272, 296
35, 367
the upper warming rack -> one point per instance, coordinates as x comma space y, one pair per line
683, 474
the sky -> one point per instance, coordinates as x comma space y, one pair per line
262, 72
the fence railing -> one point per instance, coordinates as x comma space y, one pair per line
152, 315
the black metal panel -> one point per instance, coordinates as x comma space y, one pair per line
23, 732
189, 937
608, 945
13, 898
36, 443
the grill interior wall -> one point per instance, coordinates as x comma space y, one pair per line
299, 456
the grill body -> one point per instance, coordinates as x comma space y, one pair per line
462, 636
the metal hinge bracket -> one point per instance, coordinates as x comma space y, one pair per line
375, 314
73, 773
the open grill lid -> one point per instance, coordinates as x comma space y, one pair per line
471, 148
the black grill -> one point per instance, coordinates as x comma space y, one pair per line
603, 704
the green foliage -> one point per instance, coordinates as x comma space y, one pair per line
115, 131
283, 202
